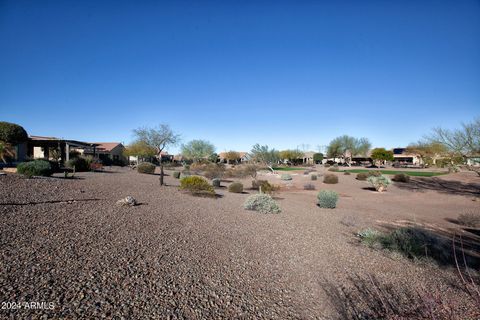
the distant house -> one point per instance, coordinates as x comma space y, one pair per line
166, 157
108, 152
403, 157
243, 157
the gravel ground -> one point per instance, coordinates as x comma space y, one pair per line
176, 256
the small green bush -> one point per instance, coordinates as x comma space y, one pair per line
379, 183
370, 236
35, 168
256, 184
262, 203
235, 187
362, 176
286, 177
330, 179
146, 167
326, 165
313, 177
401, 177
346, 173
333, 169
216, 182
176, 174
327, 199
308, 186
197, 186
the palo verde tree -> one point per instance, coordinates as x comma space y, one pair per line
318, 157
463, 142
232, 156
11, 134
346, 146
157, 138
140, 149
264, 156
198, 150
292, 155
427, 151
381, 154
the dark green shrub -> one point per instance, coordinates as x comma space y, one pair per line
176, 174
327, 199
35, 168
197, 186
313, 177
401, 177
346, 173
81, 164
12, 133
362, 176
216, 183
235, 187
286, 177
262, 203
146, 167
330, 179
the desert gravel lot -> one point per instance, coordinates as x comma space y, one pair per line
176, 256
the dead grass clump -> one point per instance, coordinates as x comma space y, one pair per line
330, 179
469, 219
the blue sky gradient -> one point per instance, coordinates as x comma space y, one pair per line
281, 73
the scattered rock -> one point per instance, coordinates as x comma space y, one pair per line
127, 201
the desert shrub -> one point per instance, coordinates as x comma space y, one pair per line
185, 174
257, 183
411, 242
326, 165
333, 169
216, 182
81, 164
370, 236
286, 177
262, 203
346, 173
313, 177
196, 185
35, 168
379, 183
146, 167
176, 174
308, 186
268, 188
214, 170
401, 177
330, 179
469, 219
374, 173
362, 176
235, 187
327, 199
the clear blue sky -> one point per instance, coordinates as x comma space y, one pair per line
236, 73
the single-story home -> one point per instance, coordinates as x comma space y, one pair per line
243, 157
108, 152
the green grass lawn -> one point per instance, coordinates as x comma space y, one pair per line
410, 173
288, 168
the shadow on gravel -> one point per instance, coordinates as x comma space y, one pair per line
442, 246
442, 186
368, 297
48, 201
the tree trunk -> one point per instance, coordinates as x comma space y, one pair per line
161, 174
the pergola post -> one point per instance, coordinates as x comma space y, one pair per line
67, 151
